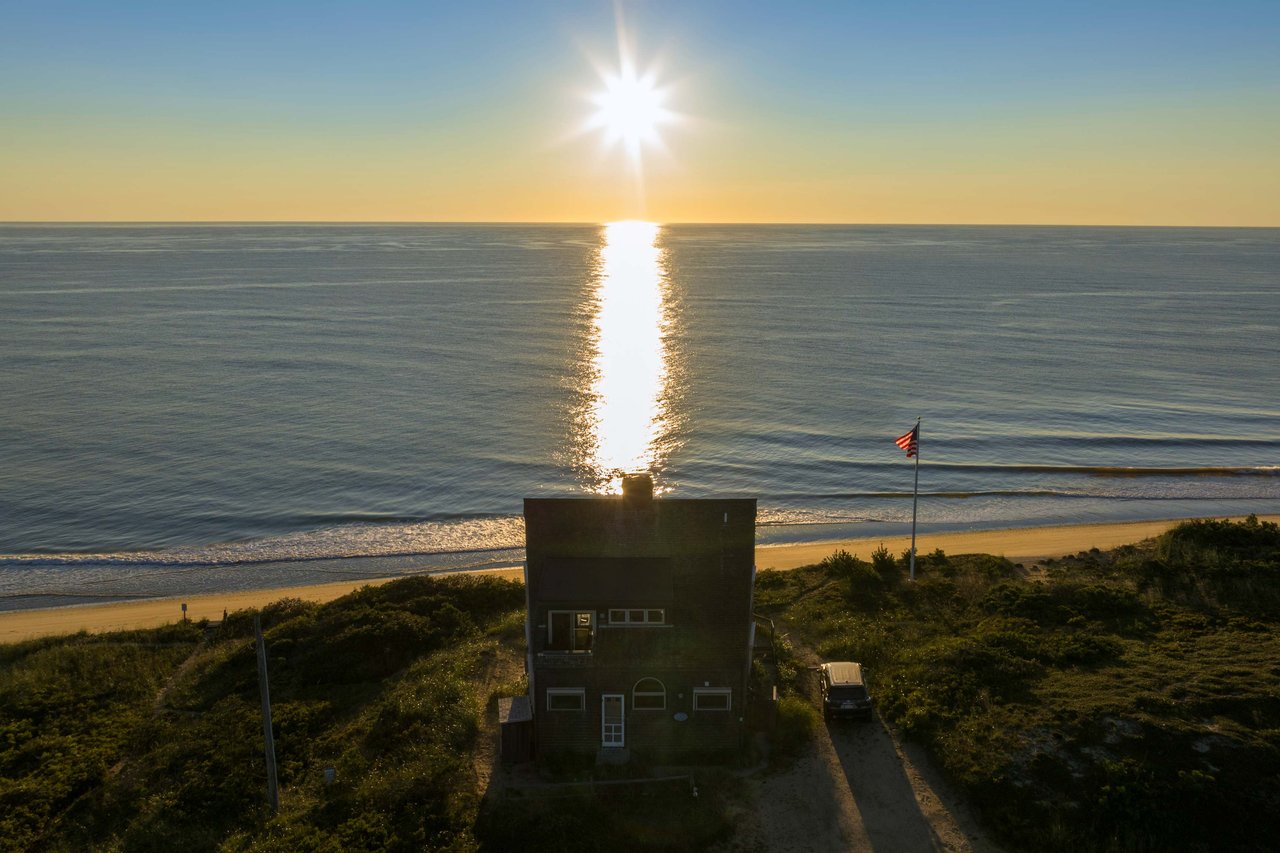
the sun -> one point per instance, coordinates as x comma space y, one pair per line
630, 110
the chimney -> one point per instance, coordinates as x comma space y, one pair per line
637, 491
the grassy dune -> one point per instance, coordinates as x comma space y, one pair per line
153, 739
1127, 700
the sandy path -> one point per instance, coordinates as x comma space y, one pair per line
856, 789
1020, 545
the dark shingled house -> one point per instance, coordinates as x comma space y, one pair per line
639, 624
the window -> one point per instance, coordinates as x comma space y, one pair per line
570, 630
566, 699
649, 695
636, 616
711, 698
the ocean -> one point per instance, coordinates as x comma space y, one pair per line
194, 408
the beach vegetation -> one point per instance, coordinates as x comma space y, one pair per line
1122, 700
70, 709
1125, 700
679, 814
151, 740
796, 724
143, 740
883, 563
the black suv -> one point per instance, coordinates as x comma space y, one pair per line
844, 693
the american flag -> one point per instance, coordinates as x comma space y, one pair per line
909, 441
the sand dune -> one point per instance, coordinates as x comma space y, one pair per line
1019, 545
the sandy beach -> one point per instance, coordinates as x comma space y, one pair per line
1021, 545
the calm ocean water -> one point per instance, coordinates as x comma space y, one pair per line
192, 408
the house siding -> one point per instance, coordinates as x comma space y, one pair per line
694, 560
657, 735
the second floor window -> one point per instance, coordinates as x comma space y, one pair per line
570, 630
637, 617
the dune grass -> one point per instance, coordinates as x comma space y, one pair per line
152, 740
1125, 701
69, 709
1120, 701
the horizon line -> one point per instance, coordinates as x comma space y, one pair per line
587, 223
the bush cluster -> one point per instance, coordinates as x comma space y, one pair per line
108, 744
1117, 701
70, 709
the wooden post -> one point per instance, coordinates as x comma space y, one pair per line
273, 791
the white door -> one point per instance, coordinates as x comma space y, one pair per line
612, 720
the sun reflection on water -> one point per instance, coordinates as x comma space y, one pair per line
625, 423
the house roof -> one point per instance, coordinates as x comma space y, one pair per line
610, 527
617, 580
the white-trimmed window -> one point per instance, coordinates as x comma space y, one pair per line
637, 616
649, 694
570, 630
566, 699
712, 698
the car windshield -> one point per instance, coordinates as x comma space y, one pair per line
847, 693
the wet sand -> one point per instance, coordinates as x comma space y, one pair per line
1021, 545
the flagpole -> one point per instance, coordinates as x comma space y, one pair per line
915, 498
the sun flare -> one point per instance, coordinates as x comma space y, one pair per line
630, 110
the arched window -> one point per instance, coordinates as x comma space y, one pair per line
648, 695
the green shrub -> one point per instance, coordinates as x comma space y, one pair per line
789, 671
863, 583
1210, 543
797, 721
840, 564
883, 563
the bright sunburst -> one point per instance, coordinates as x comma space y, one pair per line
630, 110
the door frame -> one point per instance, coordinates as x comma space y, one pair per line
606, 737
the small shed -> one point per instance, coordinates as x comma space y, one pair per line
515, 721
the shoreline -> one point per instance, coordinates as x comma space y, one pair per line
1018, 544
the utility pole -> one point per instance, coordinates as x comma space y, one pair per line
273, 790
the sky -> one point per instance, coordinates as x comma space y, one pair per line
1125, 113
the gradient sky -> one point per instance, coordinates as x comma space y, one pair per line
1162, 113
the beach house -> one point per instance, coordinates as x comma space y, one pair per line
639, 624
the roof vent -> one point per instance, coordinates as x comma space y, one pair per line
637, 490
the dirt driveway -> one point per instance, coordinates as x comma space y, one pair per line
856, 789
